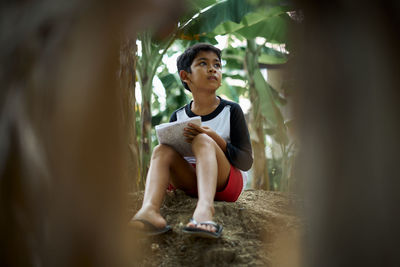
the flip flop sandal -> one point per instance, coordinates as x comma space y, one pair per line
149, 229
201, 232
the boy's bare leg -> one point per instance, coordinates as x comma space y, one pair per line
212, 168
168, 166
164, 161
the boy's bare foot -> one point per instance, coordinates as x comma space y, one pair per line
149, 214
202, 213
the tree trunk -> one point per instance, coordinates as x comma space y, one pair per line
145, 145
127, 77
260, 167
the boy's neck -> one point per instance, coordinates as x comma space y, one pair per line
204, 104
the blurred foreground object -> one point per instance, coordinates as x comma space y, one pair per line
62, 156
348, 105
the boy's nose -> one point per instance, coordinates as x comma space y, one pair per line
211, 69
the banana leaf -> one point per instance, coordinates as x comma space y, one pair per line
274, 29
250, 19
269, 109
267, 56
195, 6
207, 21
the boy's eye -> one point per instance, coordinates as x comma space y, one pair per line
216, 65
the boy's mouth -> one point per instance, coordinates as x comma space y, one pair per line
212, 78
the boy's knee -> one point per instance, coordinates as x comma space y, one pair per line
163, 151
202, 140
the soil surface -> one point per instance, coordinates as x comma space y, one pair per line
260, 229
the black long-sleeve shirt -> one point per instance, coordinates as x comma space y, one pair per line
228, 121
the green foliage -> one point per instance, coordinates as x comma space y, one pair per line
236, 56
272, 57
174, 90
193, 7
175, 98
279, 170
250, 19
275, 173
274, 29
268, 3
207, 21
230, 91
204, 20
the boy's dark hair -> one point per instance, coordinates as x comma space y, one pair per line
185, 60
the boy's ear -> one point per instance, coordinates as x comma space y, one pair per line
184, 76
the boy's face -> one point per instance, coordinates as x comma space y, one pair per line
206, 72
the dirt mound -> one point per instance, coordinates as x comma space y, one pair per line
252, 226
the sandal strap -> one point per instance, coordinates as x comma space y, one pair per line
212, 223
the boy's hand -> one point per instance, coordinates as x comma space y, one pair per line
193, 130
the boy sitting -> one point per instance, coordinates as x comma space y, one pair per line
221, 148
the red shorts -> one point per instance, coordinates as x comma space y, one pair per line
229, 193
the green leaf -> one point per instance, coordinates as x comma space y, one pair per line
272, 59
238, 36
228, 10
268, 55
274, 29
268, 107
279, 100
155, 120
207, 39
266, 100
235, 76
272, 56
195, 6
270, 131
250, 19
201, 4
232, 92
233, 63
227, 90
168, 80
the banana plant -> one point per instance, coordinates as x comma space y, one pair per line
265, 111
202, 17
147, 64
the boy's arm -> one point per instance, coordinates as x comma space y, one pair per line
239, 151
